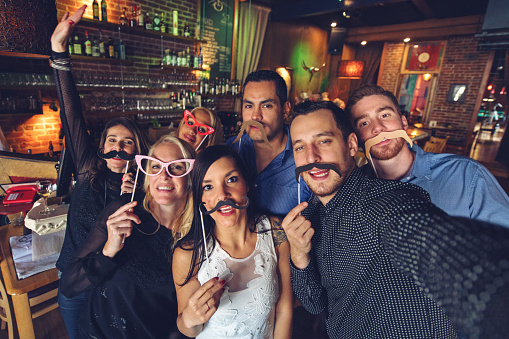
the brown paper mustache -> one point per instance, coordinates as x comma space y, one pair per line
246, 125
318, 165
385, 135
227, 202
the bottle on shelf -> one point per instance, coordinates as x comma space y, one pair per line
121, 50
167, 57
111, 48
123, 18
50, 149
173, 58
88, 45
141, 18
104, 11
71, 46
95, 9
197, 30
187, 32
134, 17
195, 59
163, 24
188, 57
175, 22
179, 59
95, 48
102, 48
157, 23
77, 45
148, 22
200, 59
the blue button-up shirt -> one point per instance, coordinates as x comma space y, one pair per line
460, 186
275, 188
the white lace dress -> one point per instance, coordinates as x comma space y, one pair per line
247, 306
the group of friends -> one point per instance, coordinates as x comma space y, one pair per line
189, 237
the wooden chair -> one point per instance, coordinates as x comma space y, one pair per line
435, 145
5, 311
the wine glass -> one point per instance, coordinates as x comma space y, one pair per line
44, 189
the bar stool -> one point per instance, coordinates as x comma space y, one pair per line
5, 311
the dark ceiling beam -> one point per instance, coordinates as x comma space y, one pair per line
316, 7
423, 7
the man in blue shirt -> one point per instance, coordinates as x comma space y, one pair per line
272, 164
458, 185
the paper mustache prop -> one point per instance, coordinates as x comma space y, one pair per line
246, 125
111, 154
227, 202
385, 135
309, 167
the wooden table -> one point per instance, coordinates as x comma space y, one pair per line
416, 133
19, 289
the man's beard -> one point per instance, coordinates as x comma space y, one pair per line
388, 152
324, 189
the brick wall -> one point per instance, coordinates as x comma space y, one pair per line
462, 64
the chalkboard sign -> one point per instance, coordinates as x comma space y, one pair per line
218, 32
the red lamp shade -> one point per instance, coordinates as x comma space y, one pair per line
350, 69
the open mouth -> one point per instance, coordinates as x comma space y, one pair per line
165, 188
226, 210
383, 142
319, 174
189, 138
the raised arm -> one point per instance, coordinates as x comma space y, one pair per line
284, 306
73, 123
196, 304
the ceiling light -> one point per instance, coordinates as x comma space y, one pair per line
363, 42
406, 39
426, 76
334, 24
346, 15
415, 46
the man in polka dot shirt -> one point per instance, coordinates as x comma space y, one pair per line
378, 255
459, 185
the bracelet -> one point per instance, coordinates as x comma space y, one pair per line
61, 64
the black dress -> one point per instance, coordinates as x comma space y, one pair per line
131, 295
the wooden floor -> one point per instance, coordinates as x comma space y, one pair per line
51, 325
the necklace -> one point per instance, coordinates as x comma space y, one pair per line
157, 229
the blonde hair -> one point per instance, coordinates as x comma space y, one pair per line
185, 220
215, 138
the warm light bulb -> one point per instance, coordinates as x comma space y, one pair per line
406, 39
334, 24
415, 46
364, 42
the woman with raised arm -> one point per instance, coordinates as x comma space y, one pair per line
231, 271
98, 174
126, 261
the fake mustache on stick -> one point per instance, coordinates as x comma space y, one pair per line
385, 136
111, 154
318, 165
227, 202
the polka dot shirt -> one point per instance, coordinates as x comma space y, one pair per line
386, 263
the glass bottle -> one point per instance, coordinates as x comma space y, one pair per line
77, 45
104, 11
88, 45
187, 32
71, 46
163, 24
141, 18
188, 58
175, 22
174, 58
133, 19
111, 48
95, 48
95, 9
157, 23
195, 59
121, 50
102, 47
123, 18
148, 22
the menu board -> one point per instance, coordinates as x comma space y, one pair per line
218, 32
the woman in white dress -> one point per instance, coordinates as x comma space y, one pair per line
240, 286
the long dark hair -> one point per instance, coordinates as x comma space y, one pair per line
194, 239
97, 171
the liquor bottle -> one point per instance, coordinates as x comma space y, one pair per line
141, 18
121, 50
188, 58
95, 48
200, 59
157, 23
71, 46
167, 57
174, 58
197, 30
187, 32
179, 59
218, 86
111, 48
95, 9
102, 48
77, 46
195, 59
50, 149
133, 19
88, 45
104, 11
175, 22
206, 86
226, 86
123, 18
163, 24
148, 22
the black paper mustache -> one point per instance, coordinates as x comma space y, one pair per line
111, 154
227, 202
308, 167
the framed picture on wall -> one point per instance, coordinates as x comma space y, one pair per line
425, 56
457, 93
